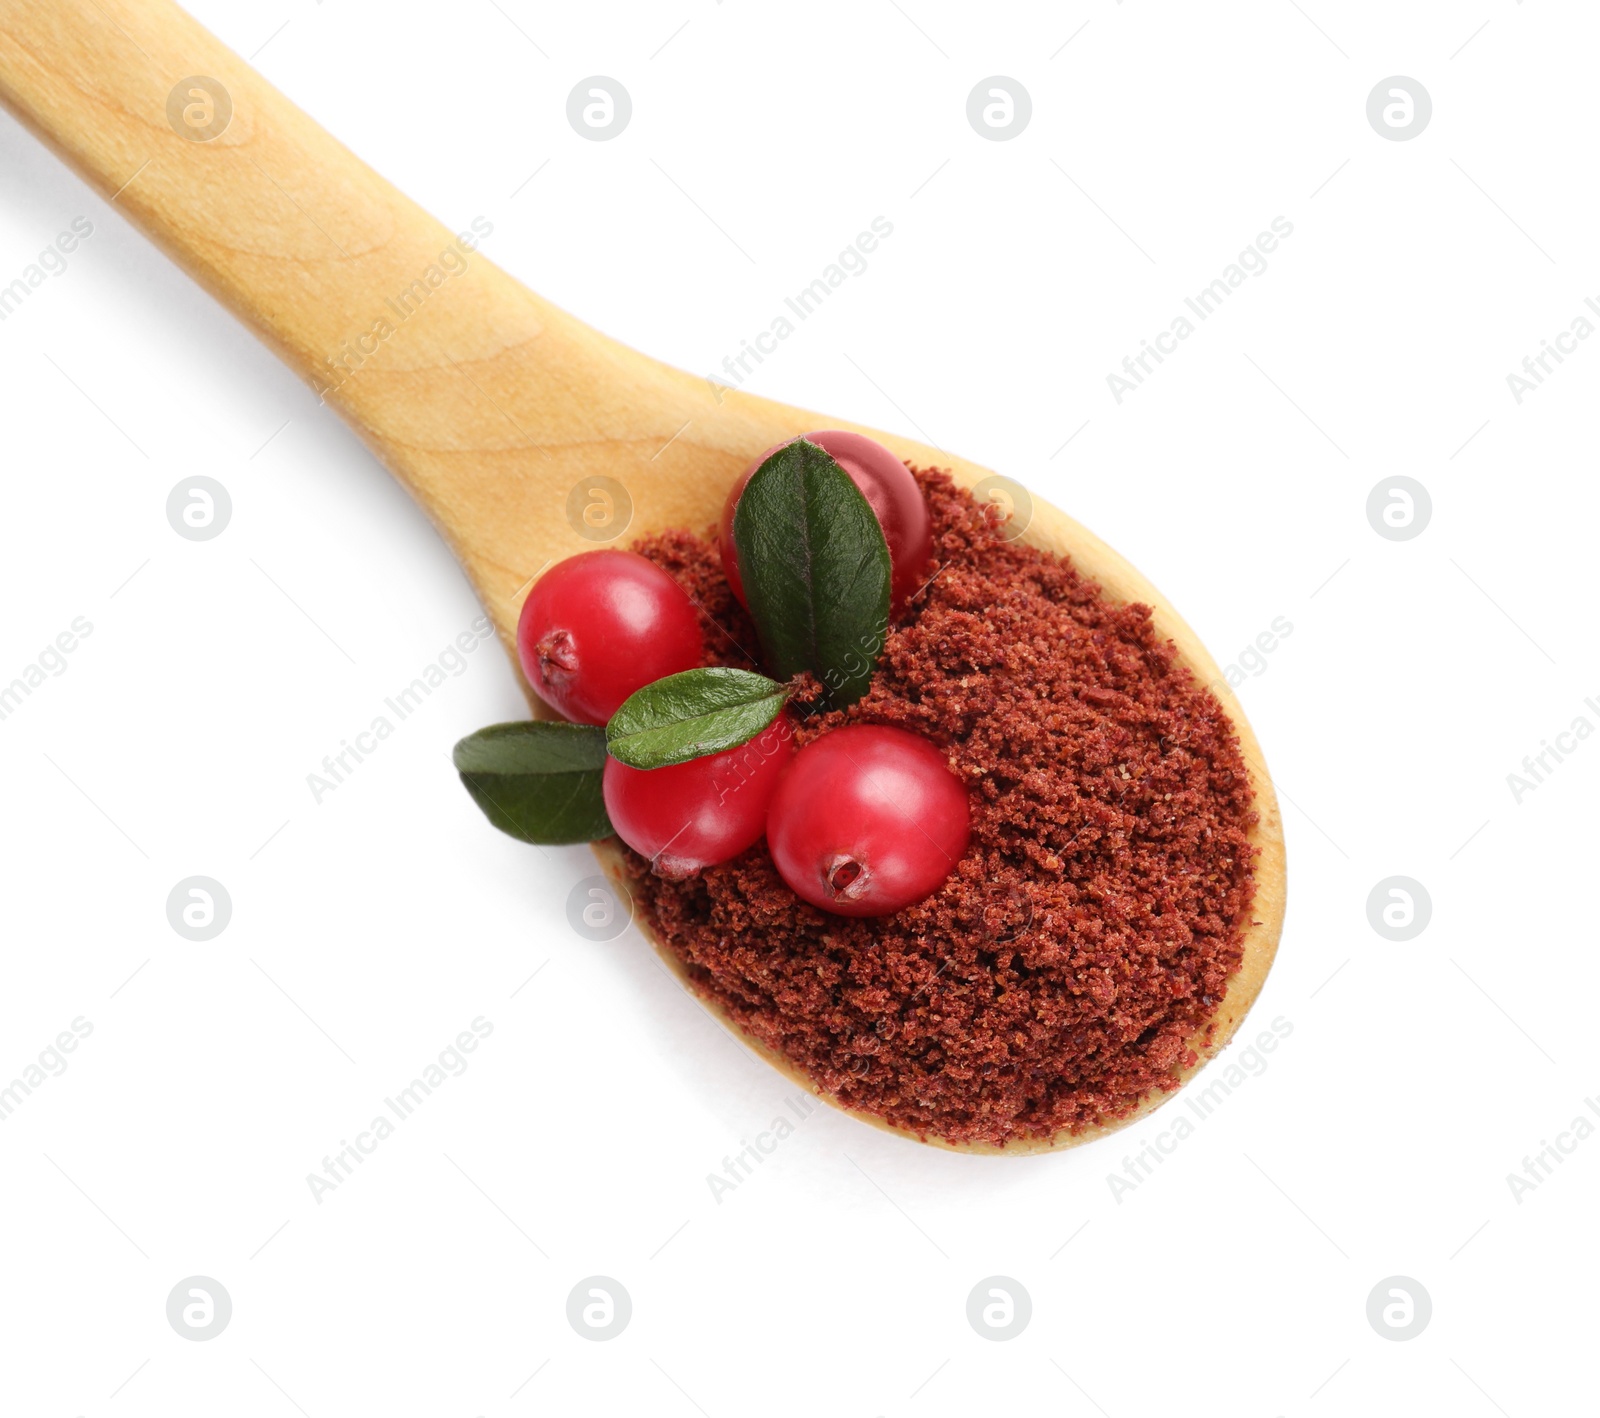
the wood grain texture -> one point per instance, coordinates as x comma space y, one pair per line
489, 404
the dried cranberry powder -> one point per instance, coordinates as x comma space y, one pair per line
1057, 978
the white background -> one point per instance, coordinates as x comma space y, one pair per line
369, 930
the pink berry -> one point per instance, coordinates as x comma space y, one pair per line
886, 483
702, 812
867, 820
600, 625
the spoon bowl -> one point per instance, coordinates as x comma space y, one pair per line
524, 434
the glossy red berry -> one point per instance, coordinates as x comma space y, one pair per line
600, 625
867, 820
886, 483
702, 812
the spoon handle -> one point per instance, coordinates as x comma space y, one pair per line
267, 210
458, 377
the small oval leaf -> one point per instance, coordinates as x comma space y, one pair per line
538, 782
691, 715
815, 567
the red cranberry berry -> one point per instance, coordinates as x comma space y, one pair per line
867, 820
886, 483
702, 812
600, 625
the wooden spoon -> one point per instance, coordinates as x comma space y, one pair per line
490, 405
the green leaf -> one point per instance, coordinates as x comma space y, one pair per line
815, 568
692, 714
539, 782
